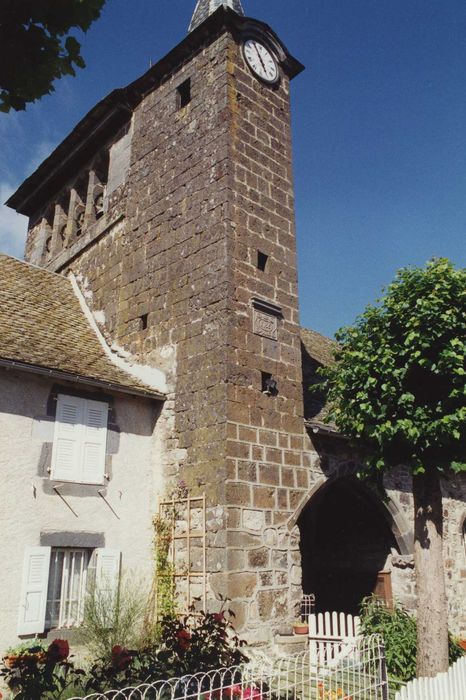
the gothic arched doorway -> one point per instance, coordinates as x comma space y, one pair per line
345, 542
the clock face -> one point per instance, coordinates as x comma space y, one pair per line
261, 61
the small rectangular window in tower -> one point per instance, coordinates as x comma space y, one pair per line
262, 259
269, 384
144, 321
183, 94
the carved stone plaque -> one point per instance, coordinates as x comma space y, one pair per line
265, 325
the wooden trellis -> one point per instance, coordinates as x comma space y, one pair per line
185, 518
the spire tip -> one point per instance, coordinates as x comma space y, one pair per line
205, 8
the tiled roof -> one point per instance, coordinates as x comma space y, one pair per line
318, 346
317, 351
43, 326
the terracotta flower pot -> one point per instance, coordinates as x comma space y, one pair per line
463, 644
12, 661
301, 629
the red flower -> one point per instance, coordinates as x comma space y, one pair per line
184, 639
229, 693
219, 617
59, 650
251, 694
121, 657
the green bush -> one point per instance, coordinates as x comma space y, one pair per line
115, 617
398, 629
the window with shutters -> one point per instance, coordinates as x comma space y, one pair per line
55, 584
80, 440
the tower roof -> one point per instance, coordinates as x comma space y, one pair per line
204, 8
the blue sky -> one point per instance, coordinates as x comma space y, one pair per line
379, 132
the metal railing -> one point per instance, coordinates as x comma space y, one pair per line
353, 670
307, 606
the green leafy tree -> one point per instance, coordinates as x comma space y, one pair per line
36, 47
397, 390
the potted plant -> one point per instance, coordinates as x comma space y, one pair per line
29, 652
300, 627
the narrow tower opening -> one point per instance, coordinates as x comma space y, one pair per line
262, 259
183, 94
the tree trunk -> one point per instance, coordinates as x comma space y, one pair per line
432, 622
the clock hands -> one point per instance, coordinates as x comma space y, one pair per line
260, 58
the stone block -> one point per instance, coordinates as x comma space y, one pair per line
287, 476
234, 518
272, 605
274, 456
242, 539
238, 494
268, 437
253, 520
295, 575
280, 559
259, 558
247, 471
266, 579
263, 497
247, 434
240, 450
236, 559
282, 502
270, 537
242, 585
240, 613
269, 474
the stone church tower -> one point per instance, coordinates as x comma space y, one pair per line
171, 204
177, 219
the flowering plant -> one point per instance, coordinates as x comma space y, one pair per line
36, 672
185, 646
338, 694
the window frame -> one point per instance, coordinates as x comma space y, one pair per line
37, 569
65, 577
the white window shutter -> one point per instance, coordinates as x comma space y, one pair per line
107, 570
33, 600
67, 439
94, 442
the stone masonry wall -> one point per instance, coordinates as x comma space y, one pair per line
171, 273
267, 465
167, 260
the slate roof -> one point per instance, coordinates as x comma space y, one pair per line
43, 327
204, 8
317, 351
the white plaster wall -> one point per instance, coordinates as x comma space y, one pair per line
26, 511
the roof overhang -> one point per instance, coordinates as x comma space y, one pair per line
324, 429
78, 379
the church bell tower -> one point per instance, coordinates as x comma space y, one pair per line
172, 203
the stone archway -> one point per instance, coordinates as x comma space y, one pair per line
347, 535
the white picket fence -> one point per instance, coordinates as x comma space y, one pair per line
331, 635
446, 686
